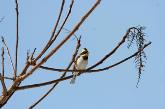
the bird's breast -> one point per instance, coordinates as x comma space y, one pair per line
81, 63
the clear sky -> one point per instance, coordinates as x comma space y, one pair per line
112, 89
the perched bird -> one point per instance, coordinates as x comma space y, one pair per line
80, 63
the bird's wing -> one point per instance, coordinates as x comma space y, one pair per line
75, 63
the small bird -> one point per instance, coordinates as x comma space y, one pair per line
80, 63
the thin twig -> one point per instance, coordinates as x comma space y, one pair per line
3, 66
83, 71
43, 84
53, 32
66, 18
54, 36
62, 76
97, 70
17, 38
11, 90
32, 56
8, 52
30, 59
113, 51
73, 34
8, 78
4, 92
104, 58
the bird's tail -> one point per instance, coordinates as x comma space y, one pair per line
73, 78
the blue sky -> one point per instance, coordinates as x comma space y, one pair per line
112, 89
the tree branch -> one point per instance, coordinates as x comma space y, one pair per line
8, 78
113, 51
54, 36
62, 76
3, 66
83, 71
49, 43
17, 38
8, 52
4, 92
66, 18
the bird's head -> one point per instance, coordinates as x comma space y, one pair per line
84, 52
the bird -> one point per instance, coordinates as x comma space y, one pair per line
80, 63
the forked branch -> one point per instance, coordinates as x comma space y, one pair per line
62, 76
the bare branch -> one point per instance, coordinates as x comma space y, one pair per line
66, 18
54, 36
73, 34
24, 74
53, 51
105, 57
43, 84
8, 52
4, 92
8, 78
124, 60
4, 99
83, 71
17, 38
3, 67
53, 32
30, 59
32, 56
113, 51
62, 76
